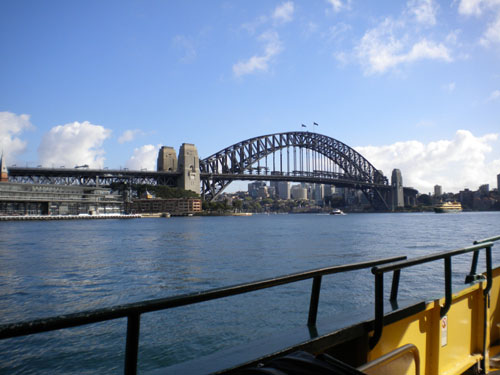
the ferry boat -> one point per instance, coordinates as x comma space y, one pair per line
457, 334
337, 211
448, 207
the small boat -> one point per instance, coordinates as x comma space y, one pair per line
337, 211
448, 207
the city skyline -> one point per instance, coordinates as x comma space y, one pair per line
410, 85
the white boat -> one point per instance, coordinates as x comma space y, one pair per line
337, 211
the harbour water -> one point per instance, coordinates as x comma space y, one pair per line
53, 268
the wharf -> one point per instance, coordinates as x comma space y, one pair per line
67, 217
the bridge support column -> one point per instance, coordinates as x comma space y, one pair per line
397, 200
189, 166
167, 160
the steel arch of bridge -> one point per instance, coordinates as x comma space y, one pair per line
240, 160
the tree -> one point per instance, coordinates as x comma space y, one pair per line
237, 204
425, 200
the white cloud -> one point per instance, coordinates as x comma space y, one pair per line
74, 144
128, 135
454, 164
144, 157
479, 8
272, 47
284, 12
381, 48
495, 95
11, 127
492, 33
450, 87
338, 5
470, 7
337, 32
476, 7
425, 49
272, 44
424, 11
186, 46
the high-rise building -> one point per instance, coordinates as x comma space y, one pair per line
318, 192
299, 192
4, 176
438, 190
284, 190
498, 182
329, 190
484, 189
253, 188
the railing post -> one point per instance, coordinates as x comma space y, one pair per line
132, 345
395, 285
489, 277
447, 283
379, 309
313, 306
471, 276
486, 303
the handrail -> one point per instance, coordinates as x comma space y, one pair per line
472, 276
379, 271
490, 239
393, 356
133, 311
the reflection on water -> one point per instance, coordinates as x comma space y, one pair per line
51, 268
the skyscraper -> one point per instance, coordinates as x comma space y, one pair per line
4, 177
438, 190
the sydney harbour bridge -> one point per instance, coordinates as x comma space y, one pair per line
290, 156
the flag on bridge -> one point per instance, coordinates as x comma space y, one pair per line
315, 123
304, 126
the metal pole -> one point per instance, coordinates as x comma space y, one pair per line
313, 306
132, 345
379, 310
447, 283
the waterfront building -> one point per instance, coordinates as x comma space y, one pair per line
299, 192
329, 190
173, 206
397, 189
484, 189
45, 199
438, 190
253, 188
466, 197
271, 191
262, 192
284, 190
318, 192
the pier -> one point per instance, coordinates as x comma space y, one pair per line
67, 217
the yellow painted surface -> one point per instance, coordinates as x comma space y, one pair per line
463, 332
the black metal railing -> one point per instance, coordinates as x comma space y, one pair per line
396, 268
133, 311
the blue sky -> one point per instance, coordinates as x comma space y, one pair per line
411, 84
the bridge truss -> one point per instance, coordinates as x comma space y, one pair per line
291, 156
90, 177
294, 156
